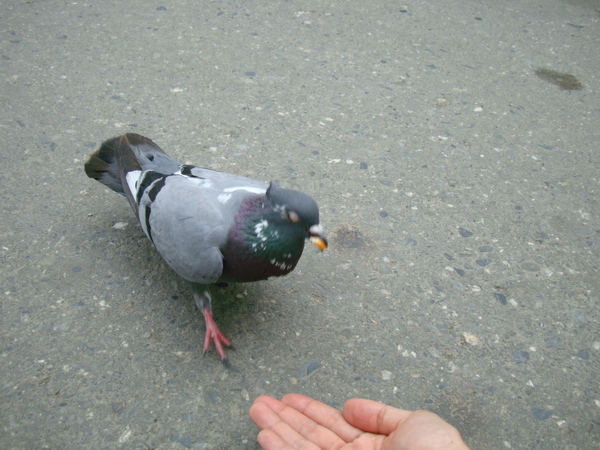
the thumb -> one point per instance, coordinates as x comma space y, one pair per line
373, 417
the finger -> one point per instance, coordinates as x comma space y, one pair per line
264, 411
373, 417
273, 403
325, 416
269, 440
293, 427
275, 432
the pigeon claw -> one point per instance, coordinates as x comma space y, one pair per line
214, 334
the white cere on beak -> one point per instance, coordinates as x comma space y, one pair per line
316, 237
316, 229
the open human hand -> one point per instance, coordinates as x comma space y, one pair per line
299, 422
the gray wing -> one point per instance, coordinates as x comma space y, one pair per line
187, 231
188, 215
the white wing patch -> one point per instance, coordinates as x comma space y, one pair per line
228, 192
199, 181
224, 198
132, 179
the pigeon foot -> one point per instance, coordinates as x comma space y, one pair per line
213, 333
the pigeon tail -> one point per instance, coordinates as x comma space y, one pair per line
103, 165
120, 155
132, 154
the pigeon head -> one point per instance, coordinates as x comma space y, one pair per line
295, 214
268, 236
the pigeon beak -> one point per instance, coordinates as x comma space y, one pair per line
316, 237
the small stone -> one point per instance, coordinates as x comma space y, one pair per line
307, 369
470, 338
120, 225
441, 102
483, 262
478, 109
126, 435
500, 297
520, 356
540, 414
583, 354
485, 248
185, 440
464, 233
386, 375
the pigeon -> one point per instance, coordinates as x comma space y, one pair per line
210, 227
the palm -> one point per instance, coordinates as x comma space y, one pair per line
368, 441
302, 423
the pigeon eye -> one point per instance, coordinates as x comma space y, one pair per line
292, 216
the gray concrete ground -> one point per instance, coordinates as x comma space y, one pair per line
457, 174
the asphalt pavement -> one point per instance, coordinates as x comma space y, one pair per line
452, 147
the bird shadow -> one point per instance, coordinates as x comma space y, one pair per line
234, 305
